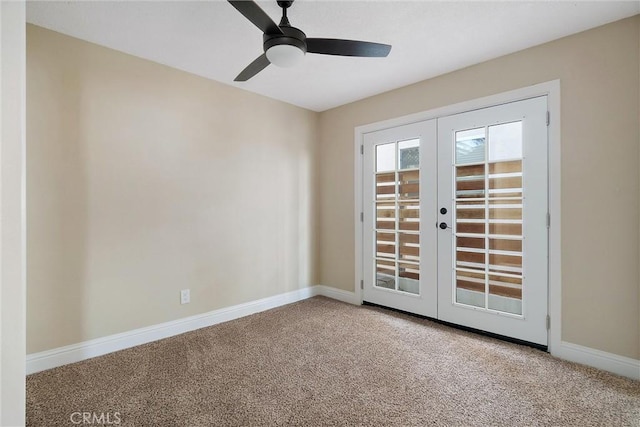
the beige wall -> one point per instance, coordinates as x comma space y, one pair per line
600, 96
144, 180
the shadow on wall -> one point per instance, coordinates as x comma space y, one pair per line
57, 205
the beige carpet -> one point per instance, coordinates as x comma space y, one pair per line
322, 362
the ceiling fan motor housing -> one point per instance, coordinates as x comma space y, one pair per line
285, 3
292, 36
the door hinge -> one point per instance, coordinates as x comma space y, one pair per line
548, 118
548, 322
362, 149
361, 216
361, 284
548, 220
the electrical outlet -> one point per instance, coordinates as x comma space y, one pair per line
185, 297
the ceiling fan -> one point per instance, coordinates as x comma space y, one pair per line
285, 45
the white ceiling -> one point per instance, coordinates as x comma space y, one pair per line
211, 39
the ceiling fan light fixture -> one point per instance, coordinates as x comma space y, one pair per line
285, 45
284, 55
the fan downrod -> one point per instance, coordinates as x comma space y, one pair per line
285, 4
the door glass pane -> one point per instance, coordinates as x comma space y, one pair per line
409, 213
488, 218
505, 262
470, 181
505, 141
470, 212
470, 288
385, 185
505, 228
397, 213
505, 186
409, 277
505, 293
409, 247
409, 185
386, 216
409, 154
385, 245
471, 259
386, 274
470, 146
470, 242
385, 157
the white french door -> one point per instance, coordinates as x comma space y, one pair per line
492, 256
455, 219
400, 269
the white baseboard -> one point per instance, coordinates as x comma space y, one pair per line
610, 362
41, 361
337, 294
37, 362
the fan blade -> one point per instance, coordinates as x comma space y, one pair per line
347, 48
253, 13
259, 64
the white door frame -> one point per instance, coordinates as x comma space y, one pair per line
12, 213
552, 90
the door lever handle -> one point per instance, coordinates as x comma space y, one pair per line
443, 226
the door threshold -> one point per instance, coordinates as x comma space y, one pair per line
465, 328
